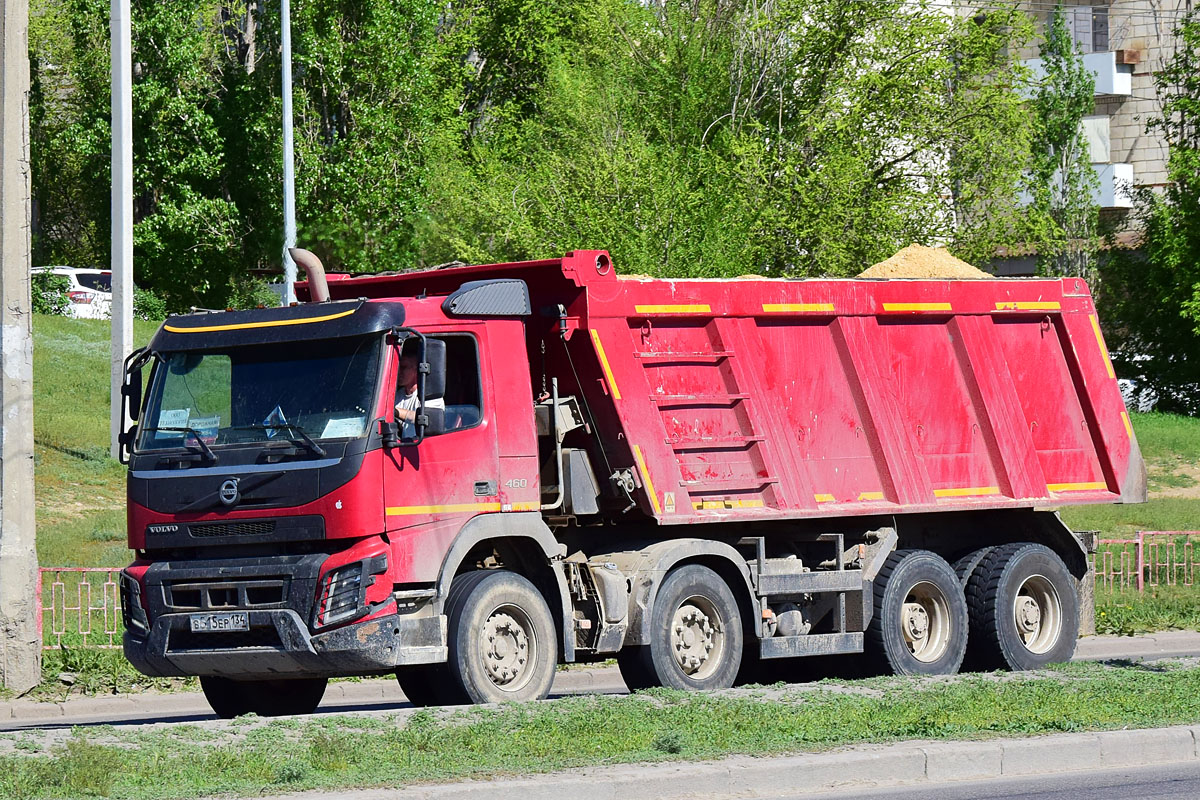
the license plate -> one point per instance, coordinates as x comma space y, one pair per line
225, 621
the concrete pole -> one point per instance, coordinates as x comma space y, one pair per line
20, 644
289, 167
121, 213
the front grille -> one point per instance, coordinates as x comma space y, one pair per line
260, 636
206, 530
242, 594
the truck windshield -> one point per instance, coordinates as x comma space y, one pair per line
302, 392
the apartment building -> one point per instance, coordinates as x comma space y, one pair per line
1124, 42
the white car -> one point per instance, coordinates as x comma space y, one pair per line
89, 293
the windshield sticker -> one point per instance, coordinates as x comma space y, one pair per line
344, 426
173, 418
206, 428
274, 421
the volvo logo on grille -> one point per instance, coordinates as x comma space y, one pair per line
228, 493
163, 528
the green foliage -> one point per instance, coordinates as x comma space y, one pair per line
722, 138
48, 293
1062, 217
712, 137
148, 305
1152, 295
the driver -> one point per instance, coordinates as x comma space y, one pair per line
408, 404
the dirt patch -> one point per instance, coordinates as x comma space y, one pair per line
918, 261
1174, 478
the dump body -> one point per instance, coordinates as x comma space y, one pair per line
754, 399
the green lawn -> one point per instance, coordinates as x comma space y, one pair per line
80, 491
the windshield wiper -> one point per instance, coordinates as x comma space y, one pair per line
304, 439
204, 450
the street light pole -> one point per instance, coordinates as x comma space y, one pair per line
289, 167
121, 213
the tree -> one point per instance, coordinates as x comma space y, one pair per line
1151, 295
1063, 217
721, 137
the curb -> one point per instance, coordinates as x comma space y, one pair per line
870, 766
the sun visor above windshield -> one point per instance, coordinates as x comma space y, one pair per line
304, 322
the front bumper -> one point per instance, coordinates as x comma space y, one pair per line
279, 643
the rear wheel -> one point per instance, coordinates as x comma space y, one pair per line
695, 635
502, 640
919, 625
267, 698
1024, 609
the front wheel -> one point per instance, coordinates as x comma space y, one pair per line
695, 635
1024, 609
919, 625
502, 640
267, 698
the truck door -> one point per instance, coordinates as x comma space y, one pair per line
432, 488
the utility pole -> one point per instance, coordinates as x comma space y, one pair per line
122, 213
289, 169
20, 644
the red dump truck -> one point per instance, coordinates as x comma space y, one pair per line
469, 475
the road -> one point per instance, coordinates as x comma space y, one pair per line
1157, 782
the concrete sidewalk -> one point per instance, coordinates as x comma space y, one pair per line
852, 769
382, 693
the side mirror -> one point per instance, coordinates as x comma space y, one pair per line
435, 360
131, 389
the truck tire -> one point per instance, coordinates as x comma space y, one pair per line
267, 698
967, 565
920, 622
503, 646
1023, 609
695, 635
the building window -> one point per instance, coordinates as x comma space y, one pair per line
1089, 27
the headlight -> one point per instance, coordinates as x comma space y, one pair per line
132, 611
343, 593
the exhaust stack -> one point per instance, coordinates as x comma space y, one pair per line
318, 289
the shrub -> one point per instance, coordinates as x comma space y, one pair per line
49, 293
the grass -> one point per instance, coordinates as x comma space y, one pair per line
1162, 608
79, 489
250, 756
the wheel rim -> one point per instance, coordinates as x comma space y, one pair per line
1037, 614
697, 637
509, 643
925, 620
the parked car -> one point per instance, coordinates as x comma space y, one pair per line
89, 293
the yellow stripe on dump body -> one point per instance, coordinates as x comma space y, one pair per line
1029, 305
450, 508
824, 498
268, 324
774, 308
1128, 426
724, 505
870, 495
917, 307
608, 373
1076, 487
966, 491
637, 453
1103, 349
696, 308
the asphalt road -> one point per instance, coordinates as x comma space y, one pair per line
1157, 782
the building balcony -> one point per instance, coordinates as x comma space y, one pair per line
1112, 78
